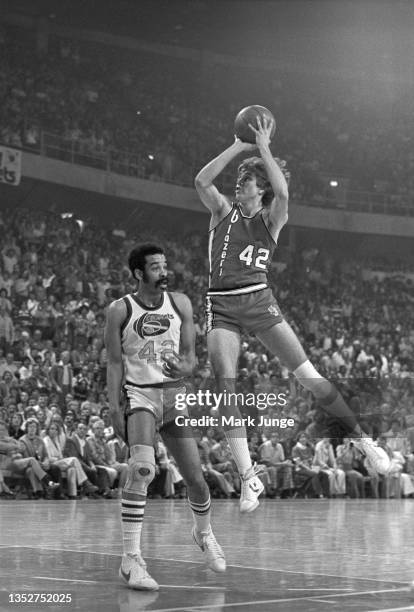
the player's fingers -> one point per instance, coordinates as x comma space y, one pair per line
167, 370
172, 358
253, 128
168, 358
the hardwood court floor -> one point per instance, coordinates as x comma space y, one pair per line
288, 556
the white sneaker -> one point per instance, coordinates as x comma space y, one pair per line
212, 550
376, 456
133, 571
251, 488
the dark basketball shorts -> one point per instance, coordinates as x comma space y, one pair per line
250, 312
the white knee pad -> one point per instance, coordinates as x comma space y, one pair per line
141, 469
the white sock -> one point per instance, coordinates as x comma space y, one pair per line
201, 514
237, 440
132, 515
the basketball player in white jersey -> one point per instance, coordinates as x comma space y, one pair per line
150, 340
243, 237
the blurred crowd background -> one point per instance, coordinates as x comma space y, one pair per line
108, 105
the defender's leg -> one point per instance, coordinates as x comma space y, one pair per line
141, 471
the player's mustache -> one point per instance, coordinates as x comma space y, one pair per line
162, 280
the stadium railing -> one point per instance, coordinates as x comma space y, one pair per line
79, 151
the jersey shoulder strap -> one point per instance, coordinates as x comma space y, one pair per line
174, 305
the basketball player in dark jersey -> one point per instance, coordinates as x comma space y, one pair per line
150, 339
243, 237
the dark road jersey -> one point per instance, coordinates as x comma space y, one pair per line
240, 252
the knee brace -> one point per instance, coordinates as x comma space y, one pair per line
141, 469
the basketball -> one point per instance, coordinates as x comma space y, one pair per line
247, 115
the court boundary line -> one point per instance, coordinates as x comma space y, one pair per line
265, 569
68, 579
118, 582
231, 547
316, 598
317, 574
278, 601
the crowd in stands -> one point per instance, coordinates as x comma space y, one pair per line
58, 276
163, 124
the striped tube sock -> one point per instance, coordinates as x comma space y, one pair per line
201, 514
237, 441
132, 515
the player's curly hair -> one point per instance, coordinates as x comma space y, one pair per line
137, 257
257, 167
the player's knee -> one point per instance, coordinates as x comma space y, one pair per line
306, 371
309, 377
141, 469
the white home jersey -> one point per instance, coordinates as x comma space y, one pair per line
148, 334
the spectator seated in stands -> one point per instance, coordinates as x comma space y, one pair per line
13, 463
395, 481
9, 365
324, 459
32, 445
76, 446
61, 375
103, 456
118, 447
16, 430
348, 458
8, 386
308, 478
272, 455
104, 415
69, 466
69, 424
397, 439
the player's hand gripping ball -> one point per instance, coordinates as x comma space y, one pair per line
249, 115
171, 364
